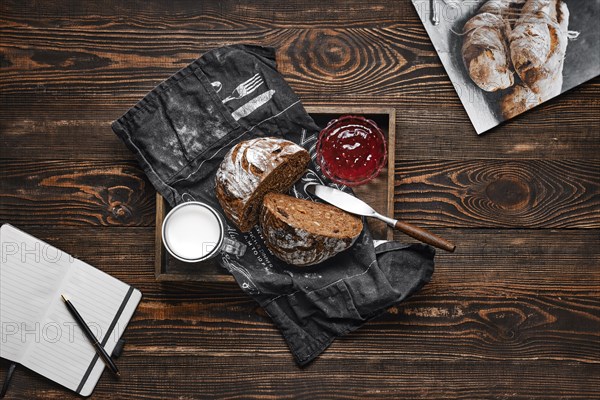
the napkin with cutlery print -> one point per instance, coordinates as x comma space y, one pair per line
180, 133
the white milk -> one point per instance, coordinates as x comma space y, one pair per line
192, 232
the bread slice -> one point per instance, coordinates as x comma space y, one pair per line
302, 232
253, 168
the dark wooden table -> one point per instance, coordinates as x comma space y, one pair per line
513, 314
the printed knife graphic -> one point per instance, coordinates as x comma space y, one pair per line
253, 104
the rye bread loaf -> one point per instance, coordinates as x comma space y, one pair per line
253, 168
303, 232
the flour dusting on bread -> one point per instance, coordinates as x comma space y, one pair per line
253, 168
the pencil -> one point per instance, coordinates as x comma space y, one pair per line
88, 333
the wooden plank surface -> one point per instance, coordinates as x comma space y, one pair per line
188, 377
500, 193
494, 299
514, 313
443, 193
495, 305
76, 78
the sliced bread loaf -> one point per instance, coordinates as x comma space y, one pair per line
302, 232
253, 168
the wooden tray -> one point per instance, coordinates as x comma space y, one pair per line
379, 193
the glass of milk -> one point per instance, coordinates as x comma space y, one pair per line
194, 231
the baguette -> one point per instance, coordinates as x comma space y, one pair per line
518, 100
538, 44
485, 48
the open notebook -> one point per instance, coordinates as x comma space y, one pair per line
37, 329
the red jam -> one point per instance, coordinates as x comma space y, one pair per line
351, 150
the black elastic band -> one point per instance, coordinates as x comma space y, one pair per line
108, 333
7, 379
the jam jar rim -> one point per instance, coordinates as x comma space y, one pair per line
322, 163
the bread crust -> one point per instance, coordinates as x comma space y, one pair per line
538, 44
300, 246
485, 47
248, 171
523, 37
518, 100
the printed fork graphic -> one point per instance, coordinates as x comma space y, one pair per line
245, 88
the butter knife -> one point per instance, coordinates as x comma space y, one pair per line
353, 205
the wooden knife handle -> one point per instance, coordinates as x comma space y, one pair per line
424, 236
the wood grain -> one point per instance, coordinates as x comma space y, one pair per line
81, 77
499, 301
512, 314
75, 193
552, 262
499, 193
469, 194
217, 375
513, 326
219, 16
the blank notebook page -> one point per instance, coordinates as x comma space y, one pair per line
40, 332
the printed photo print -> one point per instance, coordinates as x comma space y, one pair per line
505, 57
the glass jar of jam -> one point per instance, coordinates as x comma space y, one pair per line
351, 150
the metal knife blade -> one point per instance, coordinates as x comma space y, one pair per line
341, 200
353, 205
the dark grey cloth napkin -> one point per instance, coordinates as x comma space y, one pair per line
180, 133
